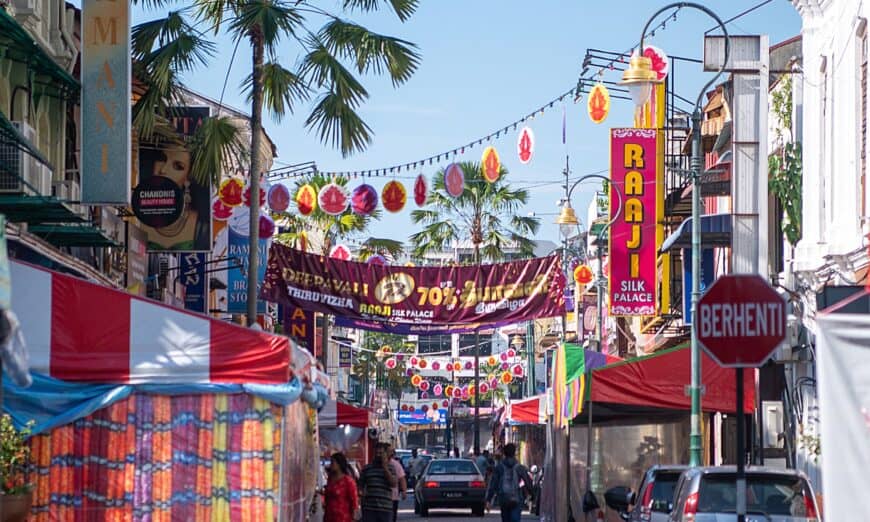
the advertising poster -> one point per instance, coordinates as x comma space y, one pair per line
173, 209
299, 326
634, 176
193, 278
105, 114
345, 356
137, 260
238, 248
499, 293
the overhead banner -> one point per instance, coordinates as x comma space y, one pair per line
105, 74
298, 325
506, 292
634, 176
412, 329
173, 208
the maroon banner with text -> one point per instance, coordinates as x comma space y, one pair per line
501, 293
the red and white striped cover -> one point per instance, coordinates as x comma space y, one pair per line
80, 331
528, 411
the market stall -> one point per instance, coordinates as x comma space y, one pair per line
343, 427
146, 412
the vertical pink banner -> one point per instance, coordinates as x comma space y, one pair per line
633, 175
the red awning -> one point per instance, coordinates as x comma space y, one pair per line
661, 381
528, 411
80, 331
336, 413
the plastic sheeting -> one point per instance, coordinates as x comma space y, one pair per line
52, 402
843, 353
181, 457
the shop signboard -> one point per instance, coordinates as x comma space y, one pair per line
137, 260
634, 176
707, 276
498, 293
105, 112
193, 277
237, 280
298, 325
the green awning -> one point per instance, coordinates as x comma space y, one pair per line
21, 47
9, 134
23, 208
80, 234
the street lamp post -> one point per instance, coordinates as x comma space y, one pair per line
639, 78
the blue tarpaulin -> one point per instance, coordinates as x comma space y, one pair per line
51, 402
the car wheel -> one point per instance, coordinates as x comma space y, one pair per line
478, 511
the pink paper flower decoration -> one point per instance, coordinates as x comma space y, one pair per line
437, 389
504, 356
424, 395
436, 365
469, 366
391, 363
484, 387
409, 372
414, 361
511, 353
505, 366
424, 385
518, 370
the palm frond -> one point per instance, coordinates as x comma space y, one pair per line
403, 8
371, 51
270, 18
212, 12
321, 68
337, 123
282, 89
382, 246
216, 144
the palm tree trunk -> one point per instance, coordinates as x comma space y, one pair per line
477, 364
256, 168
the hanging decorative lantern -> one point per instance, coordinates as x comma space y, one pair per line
505, 366
436, 365
425, 408
387, 349
434, 405
306, 200
267, 227
503, 356
445, 404
454, 180
449, 367
416, 380
391, 363
394, 196
464, 392
598, 103
437, 389
511, 353
409, 372
484, 387
414, 361
364, 200
341, 252
507, 378
400, 356
230, 192
492, 361
469, 365
424, 385
220, 211
525, 145
421, 190
422, 363
448, 390
404, 407
333, 199
471, 390
278, 198
493, 383
583, 274
246, 197
457, 393
490, 164
424, 395
518, 370
377, 259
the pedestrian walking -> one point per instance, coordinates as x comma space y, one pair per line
400, 490
505, 486
376, 483
341, 499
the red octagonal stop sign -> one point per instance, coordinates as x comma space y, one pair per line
740, 321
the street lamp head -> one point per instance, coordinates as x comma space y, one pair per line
517, 342
639, 78
567, 221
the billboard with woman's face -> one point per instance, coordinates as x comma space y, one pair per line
173, 209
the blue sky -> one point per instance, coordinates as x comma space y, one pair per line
485, 64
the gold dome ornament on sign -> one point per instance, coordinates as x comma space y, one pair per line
639, 78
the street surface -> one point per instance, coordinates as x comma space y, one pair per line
406, 514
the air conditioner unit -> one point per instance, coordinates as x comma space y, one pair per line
69, 192
15, 164
40, 178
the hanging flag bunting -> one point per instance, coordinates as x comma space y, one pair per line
420, 190
306, 200
598, 103
340, 252
454, 180
333, 199
526, 145
278, 198
230, 192
394, 196
490, 164
364, 200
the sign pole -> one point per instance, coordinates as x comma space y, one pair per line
741, 450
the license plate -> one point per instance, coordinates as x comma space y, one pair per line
453, 494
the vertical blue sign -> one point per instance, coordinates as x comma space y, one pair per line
193, 278
237, 281
707, 275
105, 74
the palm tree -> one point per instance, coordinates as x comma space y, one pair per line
485, 213
172, 46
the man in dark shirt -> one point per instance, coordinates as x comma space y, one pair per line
376, 483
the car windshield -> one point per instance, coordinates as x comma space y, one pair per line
663, 491
770, 494
452, 467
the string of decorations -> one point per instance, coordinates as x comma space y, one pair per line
576, 92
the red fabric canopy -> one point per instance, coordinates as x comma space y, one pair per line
529, 411
661, 380
337, 414
81, 331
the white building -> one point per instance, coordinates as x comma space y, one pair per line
830, 261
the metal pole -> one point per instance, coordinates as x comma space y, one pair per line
477, 394
599, 324
530, 356
695, 388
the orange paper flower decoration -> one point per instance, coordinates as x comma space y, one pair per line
394, 196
